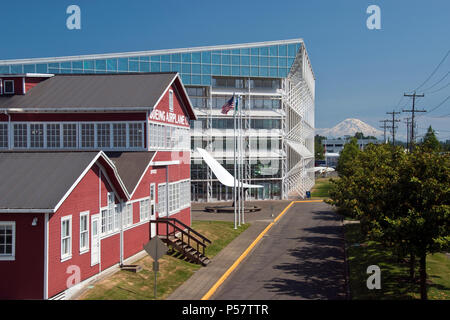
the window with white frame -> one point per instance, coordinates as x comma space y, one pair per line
119, 135
87, 135
117, 210
20, 135
3, 135
66, 237
144, 209
135, 134
170, 100
84, 231
110, 220
104, 220
69, 135
127, 215
7, 240
8, 87
36, 135
103, 135
162, 199
53, 135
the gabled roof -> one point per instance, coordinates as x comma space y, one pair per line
40, 181
131, 166
130, 91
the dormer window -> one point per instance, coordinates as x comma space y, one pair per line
8, 86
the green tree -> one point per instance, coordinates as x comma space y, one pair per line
318, 147
430, 142
347, 156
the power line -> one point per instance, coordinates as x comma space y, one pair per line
440, 104
434, 71
437, 90
437, 82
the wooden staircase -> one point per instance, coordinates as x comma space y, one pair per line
182, 238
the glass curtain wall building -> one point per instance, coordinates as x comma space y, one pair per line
277, 87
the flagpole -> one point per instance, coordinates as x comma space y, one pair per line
239, 161
234, 189
243, 166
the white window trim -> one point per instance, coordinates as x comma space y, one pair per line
12, 256
170, 100
85, 249
147, 215
65, 257
4, 85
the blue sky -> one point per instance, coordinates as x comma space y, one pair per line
360, 73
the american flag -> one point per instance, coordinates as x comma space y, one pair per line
228, 106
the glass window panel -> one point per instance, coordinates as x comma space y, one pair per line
119, 135
282, 50
226, 59
186, 68
103, 135
216, 59
196, 68
283, 72
226, 70
176, 57
41, 68
206, 80
206, 69
66, 65
226, 51
186, 57
100, 65
235, 60
254, 51
3, 135
264, 72
29, 68
65, 71
206, 57
144, 66
155, 67
235, 71
36, 135
133, 66
77, 64
111, 65
273, 72
273, 62
196, 79
254, 61
53, 135
69, 135
186, 78
20, 135
155, 58
291, 50
254, 71
176, 67
290, 62
263, 61
273, 51
245, 71
144, 58
165, 58
17, 68
282, 62
123, 64
196, 56
53, 70
87, 135
165, 67
135, 135
5, 69
216, 70
87, 65
264, 51
245, 60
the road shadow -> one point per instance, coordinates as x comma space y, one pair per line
319, 268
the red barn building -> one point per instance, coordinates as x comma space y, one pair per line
87, 162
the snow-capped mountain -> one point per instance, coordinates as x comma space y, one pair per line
349, 127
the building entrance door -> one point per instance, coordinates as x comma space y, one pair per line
95, 240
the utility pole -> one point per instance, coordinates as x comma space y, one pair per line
413, 110
408, 123
384, 126
393, 124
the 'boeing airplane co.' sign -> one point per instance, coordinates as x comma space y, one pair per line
170, 117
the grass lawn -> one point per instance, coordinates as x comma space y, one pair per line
173, 271
321, 188
395, 283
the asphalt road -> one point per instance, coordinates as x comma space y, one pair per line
300, 257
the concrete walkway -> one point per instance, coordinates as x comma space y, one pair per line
300, 257
203, 279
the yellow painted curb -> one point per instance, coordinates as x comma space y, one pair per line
245, 253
